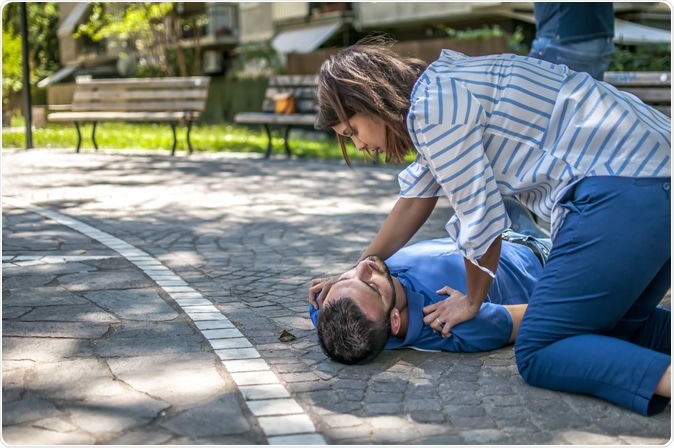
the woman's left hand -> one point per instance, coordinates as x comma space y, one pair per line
444, 315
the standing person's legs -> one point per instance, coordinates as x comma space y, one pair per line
590, 56
613, 244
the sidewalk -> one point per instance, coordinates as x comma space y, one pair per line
144, 299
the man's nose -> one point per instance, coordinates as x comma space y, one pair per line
364, 269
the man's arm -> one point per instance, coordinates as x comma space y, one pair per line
516, 313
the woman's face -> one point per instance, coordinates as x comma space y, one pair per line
365, 132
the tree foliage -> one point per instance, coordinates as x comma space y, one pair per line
43, 51
149, 30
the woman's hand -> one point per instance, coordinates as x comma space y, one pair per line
320, 286
442, 316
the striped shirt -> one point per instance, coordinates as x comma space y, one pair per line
507, 125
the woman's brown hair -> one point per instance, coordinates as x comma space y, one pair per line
369, 78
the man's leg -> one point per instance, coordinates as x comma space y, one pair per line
593, 277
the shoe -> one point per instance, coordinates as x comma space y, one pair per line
522, 220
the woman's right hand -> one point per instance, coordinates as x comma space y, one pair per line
319, 289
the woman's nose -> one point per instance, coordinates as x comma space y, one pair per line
360, 146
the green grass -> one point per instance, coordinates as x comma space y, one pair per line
205, 138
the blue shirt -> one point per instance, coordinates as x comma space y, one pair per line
426, 267
507, 125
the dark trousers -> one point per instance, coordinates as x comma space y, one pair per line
592, 325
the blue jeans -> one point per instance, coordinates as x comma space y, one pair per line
590, 56
593, 325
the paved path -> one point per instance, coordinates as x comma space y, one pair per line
144, 299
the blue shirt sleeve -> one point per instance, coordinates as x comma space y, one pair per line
489, 330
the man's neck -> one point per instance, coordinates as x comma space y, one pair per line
401, 306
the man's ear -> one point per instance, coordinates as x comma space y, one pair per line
395, 322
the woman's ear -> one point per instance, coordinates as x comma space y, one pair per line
395, 322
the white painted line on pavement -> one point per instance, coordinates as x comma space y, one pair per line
282, 419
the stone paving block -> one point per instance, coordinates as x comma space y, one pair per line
180, 381
221, 416
79, 330
28, 410
297, 439
286, 424
74, 379
133, 304
25, 281
26, 435
70, 313
14, 312
45, 349
41, 296
274, 406
150, 339
263, 392
93, 281
142, 436
253, 378
115, 413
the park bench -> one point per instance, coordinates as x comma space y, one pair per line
302, 88
177, 100
653, 88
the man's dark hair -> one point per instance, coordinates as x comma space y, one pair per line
348, 336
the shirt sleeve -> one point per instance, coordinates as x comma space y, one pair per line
489, 330
447, 122
417, 181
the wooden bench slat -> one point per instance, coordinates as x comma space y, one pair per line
137, 95
653, 88
277, 119
638, 78
117, 116
139, 106
294, 80
145, 83
649, 94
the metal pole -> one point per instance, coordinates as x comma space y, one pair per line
27, 106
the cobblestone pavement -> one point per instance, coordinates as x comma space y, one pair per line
144, 299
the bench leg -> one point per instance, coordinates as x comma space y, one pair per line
268, 153
285, 140
189, 129
79, 137
93, 136
175, 140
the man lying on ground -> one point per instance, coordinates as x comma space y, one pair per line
379, 305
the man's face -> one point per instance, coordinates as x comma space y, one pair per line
370, 285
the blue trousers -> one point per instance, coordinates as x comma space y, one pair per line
593, 325
591, 56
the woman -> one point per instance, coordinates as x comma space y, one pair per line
592, 161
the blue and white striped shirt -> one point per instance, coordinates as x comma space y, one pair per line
508, 125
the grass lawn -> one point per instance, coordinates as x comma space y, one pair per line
205, 138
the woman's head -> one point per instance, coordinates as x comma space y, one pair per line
370, 83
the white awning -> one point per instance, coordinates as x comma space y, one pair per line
630, 33
304, 40
58, 75
74, 18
